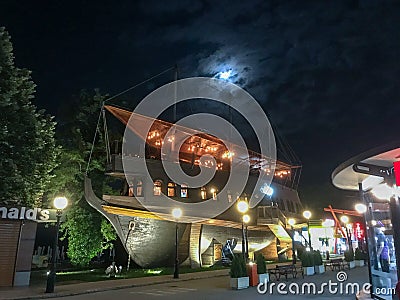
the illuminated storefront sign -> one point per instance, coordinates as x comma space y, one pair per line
24, 213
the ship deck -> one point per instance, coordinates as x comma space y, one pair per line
132, 212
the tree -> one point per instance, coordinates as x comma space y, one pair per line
87, 231
88, 234
27, 143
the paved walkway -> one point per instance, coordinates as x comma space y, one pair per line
358, 275
37, 292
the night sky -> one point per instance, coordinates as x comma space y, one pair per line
327, 73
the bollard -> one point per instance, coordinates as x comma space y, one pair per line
252, 273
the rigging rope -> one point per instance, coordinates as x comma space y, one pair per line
102, 113
94, 139
139, 84
106, 139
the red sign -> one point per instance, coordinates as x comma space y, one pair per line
396, 165
358, 231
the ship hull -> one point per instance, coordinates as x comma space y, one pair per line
151, 242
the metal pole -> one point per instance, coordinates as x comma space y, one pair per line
243, 241
293, 249
364, 200
309, 235
51, 277
176, 265
349, 239
347, 235
247, 243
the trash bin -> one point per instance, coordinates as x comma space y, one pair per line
252, 273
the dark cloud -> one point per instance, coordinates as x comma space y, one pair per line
326, 72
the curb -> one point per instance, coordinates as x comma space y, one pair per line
119, 287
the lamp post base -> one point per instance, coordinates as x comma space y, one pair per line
176, 271
176, 265
51, 280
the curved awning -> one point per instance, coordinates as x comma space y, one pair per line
346, 178
198, 141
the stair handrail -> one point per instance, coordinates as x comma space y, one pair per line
274, 212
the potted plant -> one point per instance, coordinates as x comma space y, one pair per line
359, 258
307, 261
238, 273
349, 257
263, 276
318, 264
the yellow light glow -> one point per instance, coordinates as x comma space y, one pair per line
344, 219
228, 154
246, 219
60, 202
242, 206
360, 208
307, 214
177, 213
291, 222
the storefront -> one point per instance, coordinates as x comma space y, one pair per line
18, 233
373, 174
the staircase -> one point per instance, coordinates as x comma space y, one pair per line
277, 222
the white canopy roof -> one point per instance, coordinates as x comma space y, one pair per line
346, 178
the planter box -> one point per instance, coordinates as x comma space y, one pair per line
319, 269
308, 271
352, 264
359, 263
240, 283
263, 278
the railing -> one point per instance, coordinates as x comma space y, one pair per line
273, 215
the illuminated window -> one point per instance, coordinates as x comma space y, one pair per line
157, 190
229, 198
171, 189
130, 189
139, 189
214, 193
203, 193
184, 191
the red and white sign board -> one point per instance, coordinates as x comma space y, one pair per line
396, 165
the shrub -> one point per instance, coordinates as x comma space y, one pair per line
317, 258
348, 255
261, 267
238, 267
360, 255
307, 259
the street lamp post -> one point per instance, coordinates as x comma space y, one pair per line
246, 220
345, 221
291, 223
243, 207
307, 215
176, 213
59, 203
362, 209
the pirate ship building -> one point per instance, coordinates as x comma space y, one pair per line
149, 238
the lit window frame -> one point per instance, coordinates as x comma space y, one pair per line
184, 191
157, 187
171, 189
